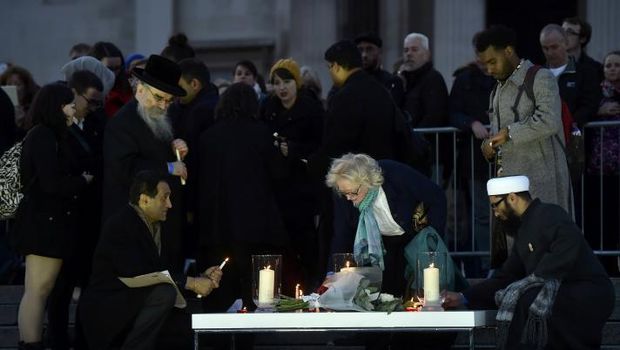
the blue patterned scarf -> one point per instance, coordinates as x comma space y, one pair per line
368, 247
535, 332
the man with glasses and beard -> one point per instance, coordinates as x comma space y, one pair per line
552, 292
140, 137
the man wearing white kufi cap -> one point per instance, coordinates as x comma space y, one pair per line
541, 288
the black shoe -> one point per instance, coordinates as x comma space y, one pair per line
30, 346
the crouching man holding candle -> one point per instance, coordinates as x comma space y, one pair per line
552, 292
115, 315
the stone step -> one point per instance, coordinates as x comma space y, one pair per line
485, 338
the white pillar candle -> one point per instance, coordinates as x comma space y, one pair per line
431, 284
266, 279
347, 267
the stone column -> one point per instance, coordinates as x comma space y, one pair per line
603, 16
154, 24
455, 23
393, 19
313, 28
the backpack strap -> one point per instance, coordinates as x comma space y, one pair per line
528, 88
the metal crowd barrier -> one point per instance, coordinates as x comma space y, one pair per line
451, 187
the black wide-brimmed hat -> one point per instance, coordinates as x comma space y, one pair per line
162, 74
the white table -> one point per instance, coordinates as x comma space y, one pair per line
342, 321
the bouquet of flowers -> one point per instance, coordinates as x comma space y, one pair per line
358, 290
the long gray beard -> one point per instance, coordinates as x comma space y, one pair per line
157, 121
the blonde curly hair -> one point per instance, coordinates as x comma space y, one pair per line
359, 169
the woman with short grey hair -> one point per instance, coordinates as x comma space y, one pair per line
357, 169
374, 209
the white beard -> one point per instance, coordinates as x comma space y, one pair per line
157, 121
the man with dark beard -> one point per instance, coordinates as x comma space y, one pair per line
140, 137
370, 45
540, 290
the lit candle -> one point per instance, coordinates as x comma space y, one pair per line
179, 159
266, 279
223, 263
347, 267
297, 291
431, 284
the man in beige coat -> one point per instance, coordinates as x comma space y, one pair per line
527, 137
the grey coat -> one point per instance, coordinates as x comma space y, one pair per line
536, 145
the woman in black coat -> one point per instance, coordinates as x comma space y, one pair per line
238, 212
44, 223
295, 119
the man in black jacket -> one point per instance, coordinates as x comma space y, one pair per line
469, 104
579, 84
370, 45
579, 33
580, 90
426, 96
361, 118
552, 290
140, 137
190, 115
131, 245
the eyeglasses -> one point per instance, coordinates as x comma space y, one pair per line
159, 98
93, 104
496, 204
571, 31
351, 193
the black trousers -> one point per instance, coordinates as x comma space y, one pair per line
58, 309
577, 318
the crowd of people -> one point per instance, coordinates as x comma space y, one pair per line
137, 164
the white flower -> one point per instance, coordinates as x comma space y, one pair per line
386, 298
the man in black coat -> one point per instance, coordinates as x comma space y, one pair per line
238, 210
370, 45
579, 33
552, 289
580, 90
426, 98
131, 244
190, 115
469, 104
140, 137
361, 118
426, 94
579, 84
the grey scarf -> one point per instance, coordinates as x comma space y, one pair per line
535, 331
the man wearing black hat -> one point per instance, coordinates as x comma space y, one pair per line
369, 45
140, 137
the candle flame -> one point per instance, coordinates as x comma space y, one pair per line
348, 264
432, 265
267, 267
